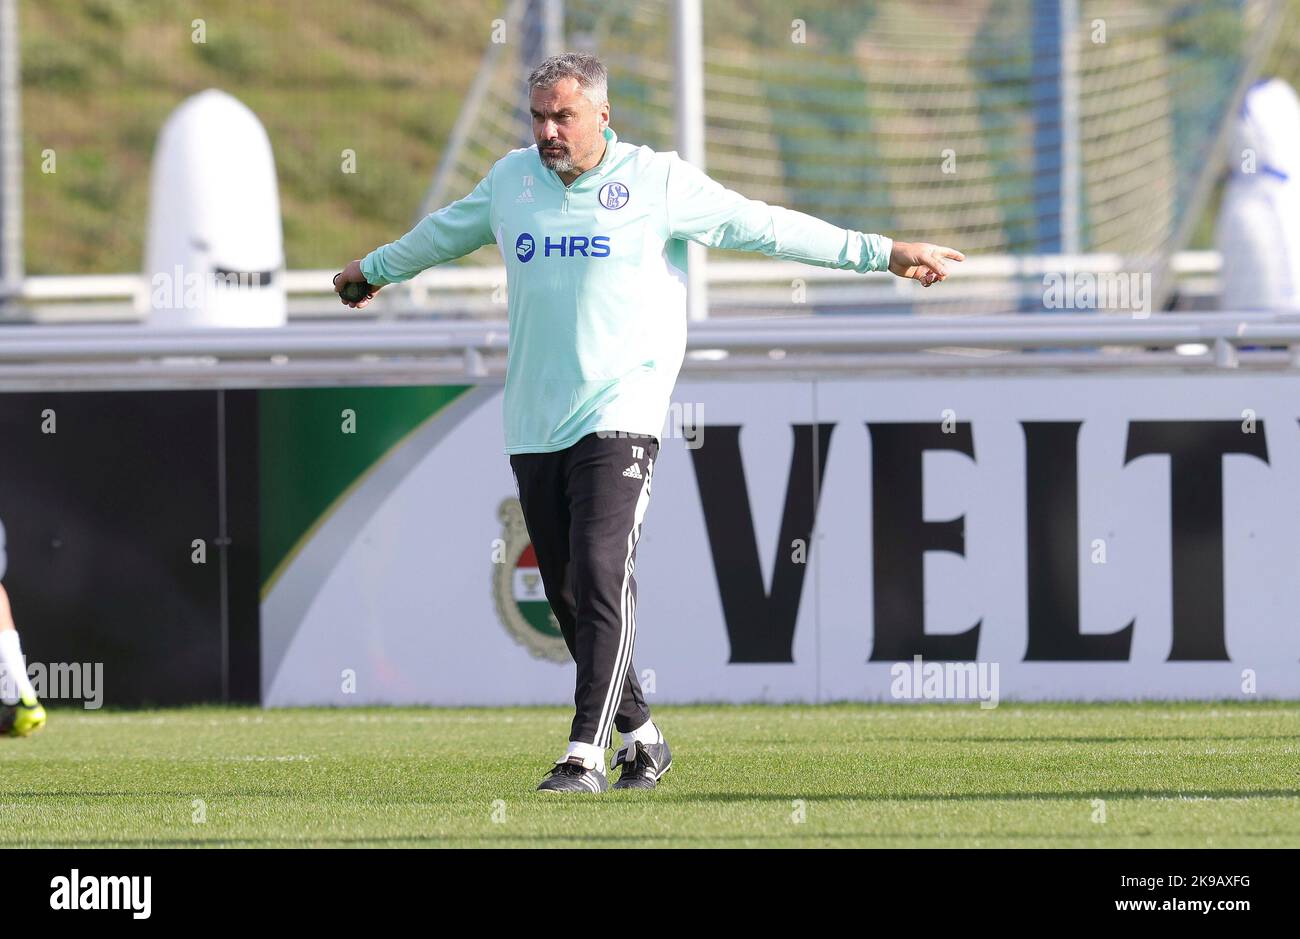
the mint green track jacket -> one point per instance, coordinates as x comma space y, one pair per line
597, 305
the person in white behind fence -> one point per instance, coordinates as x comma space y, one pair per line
1260, 215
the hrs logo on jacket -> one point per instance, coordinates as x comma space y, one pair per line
566, 246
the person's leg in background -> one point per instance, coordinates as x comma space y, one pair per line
25, 715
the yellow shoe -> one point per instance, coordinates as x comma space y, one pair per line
22, 719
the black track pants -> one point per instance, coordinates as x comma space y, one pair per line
584, 506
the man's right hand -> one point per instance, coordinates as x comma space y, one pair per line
352, 275
922, 261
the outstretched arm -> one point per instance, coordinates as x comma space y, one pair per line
452, 232
702, 210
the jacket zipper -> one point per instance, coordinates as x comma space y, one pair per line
565, 209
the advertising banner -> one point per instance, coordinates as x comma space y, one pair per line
1050, 536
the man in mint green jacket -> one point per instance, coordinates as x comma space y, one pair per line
592, 230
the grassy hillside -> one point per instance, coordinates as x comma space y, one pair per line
383, 78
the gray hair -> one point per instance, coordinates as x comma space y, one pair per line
589, 71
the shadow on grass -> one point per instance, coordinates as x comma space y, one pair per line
205, 793
1214, 739
686, 798
624, 840
1090, 794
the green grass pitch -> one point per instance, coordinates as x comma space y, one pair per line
847, 775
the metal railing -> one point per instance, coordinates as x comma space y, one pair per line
736, 288
53, 357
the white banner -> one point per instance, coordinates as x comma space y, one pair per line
1055, 536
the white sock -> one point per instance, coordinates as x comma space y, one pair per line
11, 657
647, 733
590, 754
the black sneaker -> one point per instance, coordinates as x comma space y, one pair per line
643, 764
573, 775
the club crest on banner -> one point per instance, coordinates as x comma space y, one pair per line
518, 592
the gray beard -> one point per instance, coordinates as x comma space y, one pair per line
561, 163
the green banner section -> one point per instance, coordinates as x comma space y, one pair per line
317, 442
